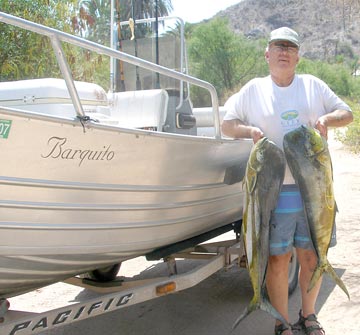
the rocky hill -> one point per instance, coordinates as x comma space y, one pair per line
327, 27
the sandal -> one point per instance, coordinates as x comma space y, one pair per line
308, 329
281, 328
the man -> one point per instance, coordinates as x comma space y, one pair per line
271, 107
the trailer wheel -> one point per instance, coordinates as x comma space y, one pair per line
293, 272
106, 274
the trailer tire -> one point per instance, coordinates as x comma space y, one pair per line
105, 274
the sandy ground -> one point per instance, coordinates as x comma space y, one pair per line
212, 306
337, 314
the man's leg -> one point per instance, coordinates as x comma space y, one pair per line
277, 282
282, 230
308, 260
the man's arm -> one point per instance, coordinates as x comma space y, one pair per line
337, 118
236, 129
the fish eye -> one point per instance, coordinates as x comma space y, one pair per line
260, 156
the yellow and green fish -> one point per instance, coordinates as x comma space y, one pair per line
263, 181
309, 160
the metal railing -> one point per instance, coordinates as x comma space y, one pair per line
57, 36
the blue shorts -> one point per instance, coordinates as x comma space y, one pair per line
288, 225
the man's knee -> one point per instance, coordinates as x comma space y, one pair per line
279, 261
307, 259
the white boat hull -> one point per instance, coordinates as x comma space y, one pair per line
74, 198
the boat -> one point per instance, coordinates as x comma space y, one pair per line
90, 179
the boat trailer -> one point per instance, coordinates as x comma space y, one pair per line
122, 293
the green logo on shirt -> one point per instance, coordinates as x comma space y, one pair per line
290, 115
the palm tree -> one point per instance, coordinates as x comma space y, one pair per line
94, 23
146, 8
94, 16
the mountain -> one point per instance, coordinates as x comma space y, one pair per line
327, 28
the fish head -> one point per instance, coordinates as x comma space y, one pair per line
315, 142
255, 164
305, 139
265, 153
256, 158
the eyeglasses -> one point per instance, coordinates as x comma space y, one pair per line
282, 48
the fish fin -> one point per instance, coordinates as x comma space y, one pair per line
252, 306
315, 277
331, 272
240, 318
265, 306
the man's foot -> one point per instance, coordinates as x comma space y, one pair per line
282, 329
309, 324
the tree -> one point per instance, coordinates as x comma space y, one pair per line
28, 55
25, 54
223, 58
94, 19
94, 16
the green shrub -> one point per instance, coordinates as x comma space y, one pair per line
351, 136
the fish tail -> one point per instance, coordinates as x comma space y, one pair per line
264, 305
251, 307
315, 277
331, 272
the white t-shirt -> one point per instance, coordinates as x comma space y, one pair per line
278, 110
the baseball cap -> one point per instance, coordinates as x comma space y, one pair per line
285, 34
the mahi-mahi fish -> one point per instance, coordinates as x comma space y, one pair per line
263, 180
309, 160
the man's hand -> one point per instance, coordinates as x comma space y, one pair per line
337, 118
321, 126
256, 134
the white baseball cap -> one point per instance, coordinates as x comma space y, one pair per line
285, 34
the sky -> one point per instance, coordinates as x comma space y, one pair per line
197, 10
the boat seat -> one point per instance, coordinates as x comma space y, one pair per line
50, 96
144, 109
